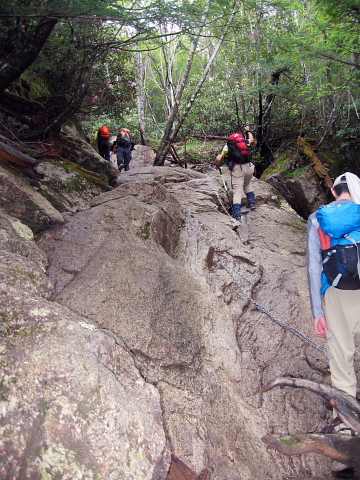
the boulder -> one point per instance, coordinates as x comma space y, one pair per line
157, 263
22, 201
79, 151
68, 188
303, 193
143, 156
73, 405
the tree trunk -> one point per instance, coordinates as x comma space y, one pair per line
61, 107
265, 115
23, 57
202, 80
170, 136
165, 141
140, 96
315, 162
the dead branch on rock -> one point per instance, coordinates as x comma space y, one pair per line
315, 162
341, 448
10, 157
348, 409
176, 156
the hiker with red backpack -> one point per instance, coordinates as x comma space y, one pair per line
237, 155
333, 262
103, 141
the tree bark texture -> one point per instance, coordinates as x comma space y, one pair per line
165, 141
24, 56
140, 96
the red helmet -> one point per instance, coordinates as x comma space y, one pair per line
236, 137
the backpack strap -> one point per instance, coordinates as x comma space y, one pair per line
357, 249
325, 243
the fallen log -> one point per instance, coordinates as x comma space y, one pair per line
10, 155
211, 137
315, 163
342, 448
12, 158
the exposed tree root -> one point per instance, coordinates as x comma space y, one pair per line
343, 448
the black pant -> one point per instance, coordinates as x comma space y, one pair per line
104, 148
124, 157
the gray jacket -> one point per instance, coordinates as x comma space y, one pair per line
314, 264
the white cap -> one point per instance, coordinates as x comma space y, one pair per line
353, 184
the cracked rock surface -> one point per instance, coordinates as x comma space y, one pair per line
137, 344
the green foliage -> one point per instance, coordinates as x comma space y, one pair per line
197, 151
87, 67
297, 172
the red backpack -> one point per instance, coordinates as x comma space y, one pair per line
240, 143
238, 151
104, 132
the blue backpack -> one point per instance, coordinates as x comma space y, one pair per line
341, 261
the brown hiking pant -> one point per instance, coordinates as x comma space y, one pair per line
342, 310
240, 180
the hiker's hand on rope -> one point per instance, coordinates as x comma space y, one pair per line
321, 326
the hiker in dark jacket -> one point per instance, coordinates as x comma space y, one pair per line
241, 174
125, 145
339, 321
103, 136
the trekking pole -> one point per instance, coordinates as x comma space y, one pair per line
227, 191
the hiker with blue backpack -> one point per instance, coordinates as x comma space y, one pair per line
237, 156
333, 254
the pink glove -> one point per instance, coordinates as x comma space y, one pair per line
321, 326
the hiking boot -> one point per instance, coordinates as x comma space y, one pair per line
121, 166
237, 211
238, 219
251, 200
